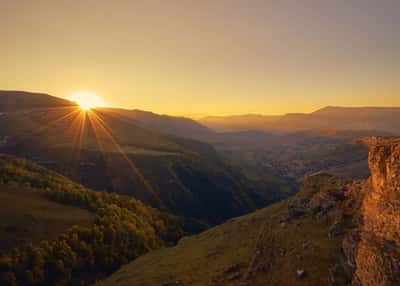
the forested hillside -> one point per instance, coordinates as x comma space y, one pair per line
109, 151
121, 229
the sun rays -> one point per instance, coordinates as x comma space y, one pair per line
104, 135
87, 130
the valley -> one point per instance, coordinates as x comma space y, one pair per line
327, 234
250, 250
165, 196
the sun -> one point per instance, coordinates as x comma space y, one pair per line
87, 100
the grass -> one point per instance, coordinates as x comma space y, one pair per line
255, 248
196, 259
28, 217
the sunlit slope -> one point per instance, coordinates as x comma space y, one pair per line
267, 247
109, 152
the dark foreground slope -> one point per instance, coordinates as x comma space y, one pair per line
56, 232
330, 233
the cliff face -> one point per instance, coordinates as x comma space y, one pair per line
377, 258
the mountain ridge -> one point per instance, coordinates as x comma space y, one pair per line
11, 100
329, 117
109, 152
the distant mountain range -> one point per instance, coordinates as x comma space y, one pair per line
329, 118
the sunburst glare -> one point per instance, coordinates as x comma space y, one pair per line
87, 100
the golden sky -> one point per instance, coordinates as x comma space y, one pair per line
205, 57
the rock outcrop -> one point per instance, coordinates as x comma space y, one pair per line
376, 242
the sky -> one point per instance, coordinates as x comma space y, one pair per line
209, 57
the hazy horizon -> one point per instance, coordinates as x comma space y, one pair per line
206, 115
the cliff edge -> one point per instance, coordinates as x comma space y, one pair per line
377, 260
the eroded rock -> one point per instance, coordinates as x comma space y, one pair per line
375, 253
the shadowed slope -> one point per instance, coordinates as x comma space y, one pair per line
113, 153
266, 247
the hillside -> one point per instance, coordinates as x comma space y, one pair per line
27, 217
56, 232
267, 246
11, 101
110, 152
178, 126
327, 234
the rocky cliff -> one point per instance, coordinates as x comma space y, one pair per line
377, 251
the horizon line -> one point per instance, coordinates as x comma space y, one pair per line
198, 116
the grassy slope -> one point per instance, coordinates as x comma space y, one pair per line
255, 248
28, 217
